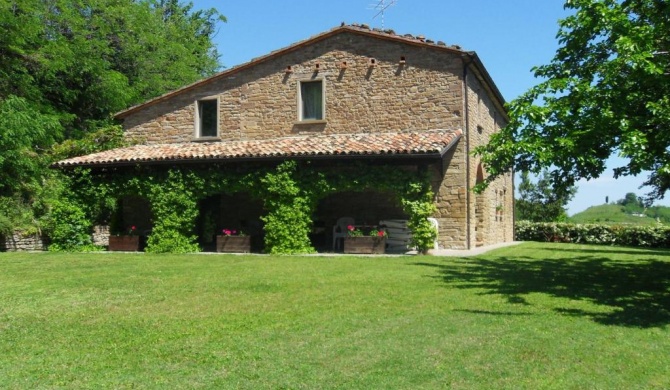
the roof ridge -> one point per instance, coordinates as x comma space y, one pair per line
391, 32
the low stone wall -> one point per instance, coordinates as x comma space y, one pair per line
100, 235
18, 242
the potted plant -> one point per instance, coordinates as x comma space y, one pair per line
233, 241
127, 242
357, 242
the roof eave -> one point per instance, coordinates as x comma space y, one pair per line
189, 161
451, 144
484, 74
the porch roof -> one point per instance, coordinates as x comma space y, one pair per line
427, 144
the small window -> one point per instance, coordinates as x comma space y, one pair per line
311, 100
208, 118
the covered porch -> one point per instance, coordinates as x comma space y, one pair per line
286, 194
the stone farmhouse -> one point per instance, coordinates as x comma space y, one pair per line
350, 94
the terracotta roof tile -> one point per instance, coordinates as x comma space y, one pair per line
432, 142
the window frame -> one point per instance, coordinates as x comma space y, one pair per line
198, 120
300, 103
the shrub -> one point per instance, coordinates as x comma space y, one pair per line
640, 236
69, 228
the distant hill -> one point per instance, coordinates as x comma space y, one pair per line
613, 214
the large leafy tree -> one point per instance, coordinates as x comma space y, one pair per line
539, 202
86, 59
606, 92
24, 134
67, 65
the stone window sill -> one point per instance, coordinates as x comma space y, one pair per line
312, 122
206, 139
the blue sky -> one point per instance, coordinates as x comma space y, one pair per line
510, 37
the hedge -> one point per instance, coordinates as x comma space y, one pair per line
636, 236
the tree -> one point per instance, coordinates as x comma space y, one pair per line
605, 92
25, 133
632, 204
84, 60
630, 199
659, 213
539, 202
66, 66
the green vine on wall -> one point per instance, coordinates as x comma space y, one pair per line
289, 218
418, 203
290, 193
174, 202
68, 223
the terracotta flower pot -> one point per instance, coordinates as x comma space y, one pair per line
124, 243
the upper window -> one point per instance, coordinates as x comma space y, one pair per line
311, 100
208, 118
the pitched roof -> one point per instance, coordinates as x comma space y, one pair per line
431, 143
389, 35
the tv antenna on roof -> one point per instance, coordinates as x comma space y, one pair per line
380, 6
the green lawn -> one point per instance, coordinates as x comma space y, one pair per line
534, 316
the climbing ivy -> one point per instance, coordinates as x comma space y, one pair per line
290, 193
68, 223
417, 202
288, 221
174, 202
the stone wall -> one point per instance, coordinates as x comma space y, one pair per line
467, 219
450, 197
425, 92
492, 212
19, 242
100, 235
261, 101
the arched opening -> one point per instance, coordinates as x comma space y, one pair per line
133, 217
237, 212
367, 209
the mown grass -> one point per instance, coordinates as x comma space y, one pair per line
527, 317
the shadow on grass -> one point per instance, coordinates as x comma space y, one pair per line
637, 292
618, 251
497, 313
